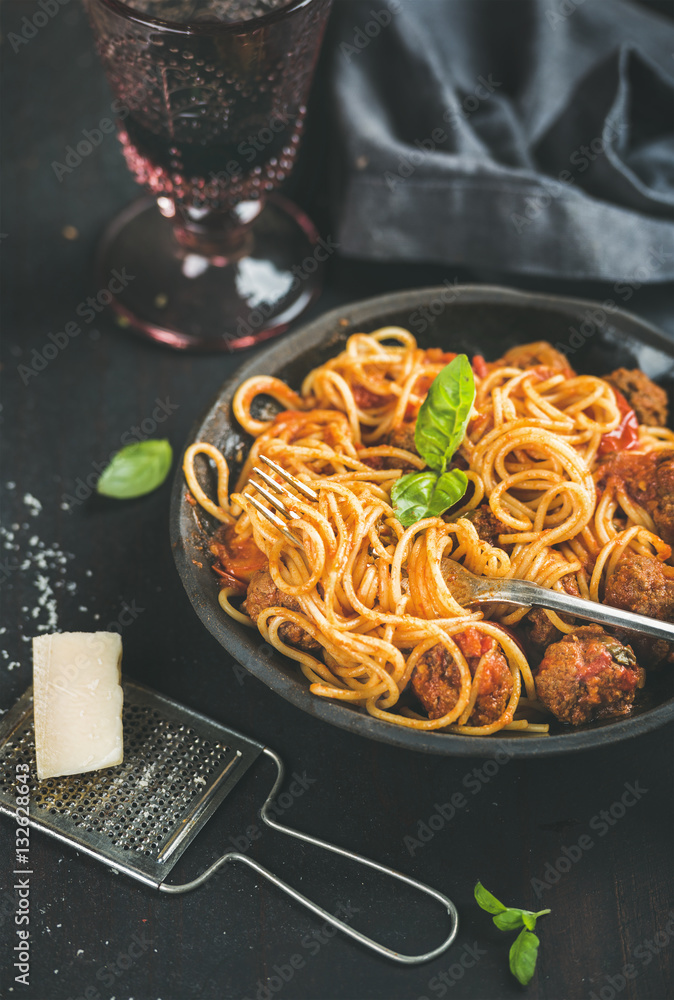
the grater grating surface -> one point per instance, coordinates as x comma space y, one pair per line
138, 816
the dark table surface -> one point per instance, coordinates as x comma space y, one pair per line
95, 934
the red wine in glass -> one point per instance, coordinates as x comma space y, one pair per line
211, 97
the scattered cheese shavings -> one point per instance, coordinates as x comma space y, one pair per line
32, 503
40, 565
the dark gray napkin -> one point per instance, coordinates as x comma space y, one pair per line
534, 136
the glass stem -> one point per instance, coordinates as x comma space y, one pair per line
222, 235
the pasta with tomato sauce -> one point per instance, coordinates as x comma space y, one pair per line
540, 473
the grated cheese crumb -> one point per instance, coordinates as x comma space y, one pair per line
33, 504
42, 566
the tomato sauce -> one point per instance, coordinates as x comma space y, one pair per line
626, 434
367, 400
596, 659
436, 356
591, 661
634, 472
474, 645
227, 580
479, 366
239, 556
472, 642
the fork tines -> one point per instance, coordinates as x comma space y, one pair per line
275, 520
281, 491
306, 491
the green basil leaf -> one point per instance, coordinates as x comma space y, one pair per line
443, 417
411, 495
523, 955
425, 494
449, 489
486, 901
511, 919
621, 654
136, 470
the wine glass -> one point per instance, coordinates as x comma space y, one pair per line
210, 100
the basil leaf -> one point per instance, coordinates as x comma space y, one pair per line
486, 901
411, 495
443, 417
136, 470
523, 955
621, 654
425, 494
512, 917
524, 950
448, 490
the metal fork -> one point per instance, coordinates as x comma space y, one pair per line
279, 491
465, 587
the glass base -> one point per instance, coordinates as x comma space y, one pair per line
186, 300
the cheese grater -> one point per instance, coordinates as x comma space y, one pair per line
139, 816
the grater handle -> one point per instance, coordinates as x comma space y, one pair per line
313, 907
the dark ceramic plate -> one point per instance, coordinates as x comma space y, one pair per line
478, 320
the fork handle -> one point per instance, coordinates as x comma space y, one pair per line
523, 592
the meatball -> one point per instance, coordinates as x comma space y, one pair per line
436, 679
649, 479
570, 585
538, 353
541, 633
639, 584
648, 400
263, 593
663, 502
400, 437
487, 524
588, 675
403, 437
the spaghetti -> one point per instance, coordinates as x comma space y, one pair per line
364, 605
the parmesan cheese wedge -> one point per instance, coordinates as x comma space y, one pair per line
77, 700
